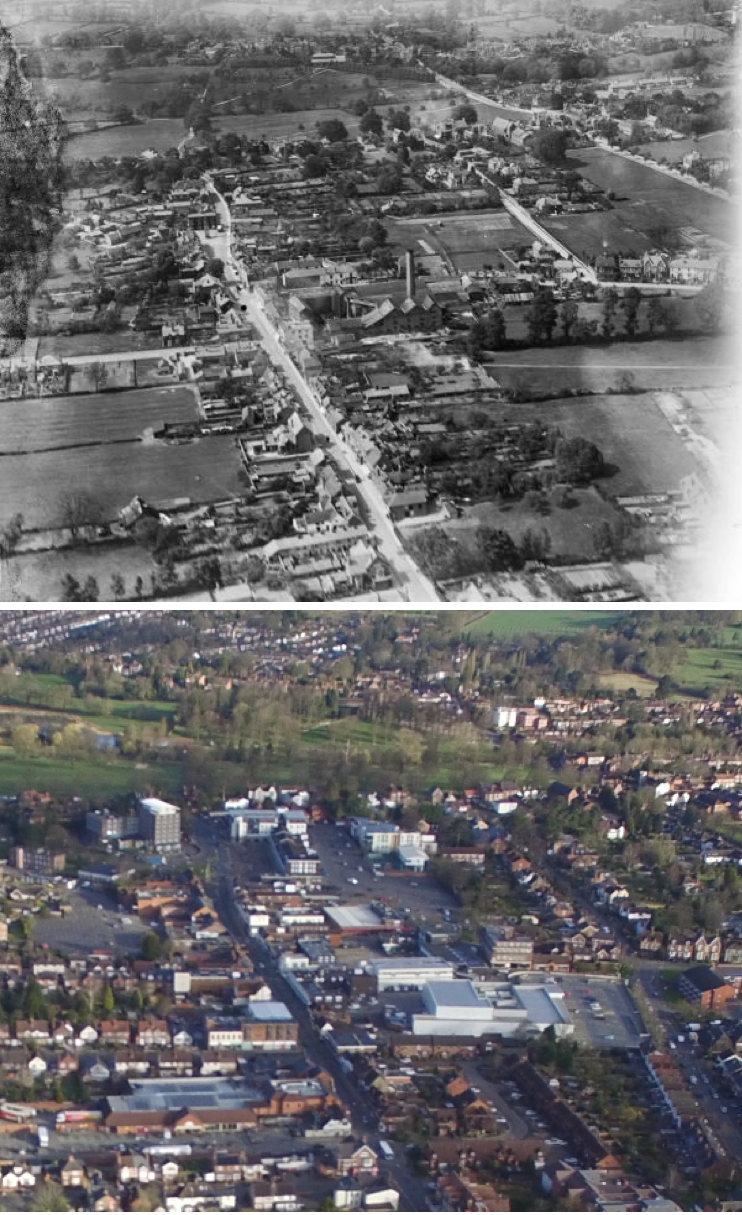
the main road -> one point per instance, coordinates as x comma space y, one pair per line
362, 1114
411, 582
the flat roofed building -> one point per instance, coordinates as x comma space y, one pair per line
410, 973
159, 823
412, 857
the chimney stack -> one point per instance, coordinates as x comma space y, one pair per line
410, 265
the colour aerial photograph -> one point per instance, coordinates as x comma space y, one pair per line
411, 302
353, 910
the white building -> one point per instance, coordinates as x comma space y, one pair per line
395, 974
504, 718
457, 1008
412, 857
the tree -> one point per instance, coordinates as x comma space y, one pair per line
709, 306
109, 1000
25, 738
333, 130
215, 268
466, 113
10, 536
569, 313
49, 1196
371, 123
631, 303
151, 947
118, 586
578, 461
80, 510
550, 145
655, 314
90, 589
139, 587
389, 180
71, 589
542, 316
500, 550
398, 120
610, 303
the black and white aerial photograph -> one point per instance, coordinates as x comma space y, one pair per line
422, 301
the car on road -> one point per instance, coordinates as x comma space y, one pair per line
353, 881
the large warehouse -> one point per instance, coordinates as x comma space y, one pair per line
456, 1008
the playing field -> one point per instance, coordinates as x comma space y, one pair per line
646, 198
89, 421
504, 624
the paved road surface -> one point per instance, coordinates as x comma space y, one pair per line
414, 586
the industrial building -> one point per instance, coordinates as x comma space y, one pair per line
458, 1008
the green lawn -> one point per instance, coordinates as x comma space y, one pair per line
550, 622
95, 779
54, 693
700, 669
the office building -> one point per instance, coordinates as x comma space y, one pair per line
159, 824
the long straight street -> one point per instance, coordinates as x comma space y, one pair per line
363, 1116
412, 584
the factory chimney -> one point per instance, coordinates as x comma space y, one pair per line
410, 265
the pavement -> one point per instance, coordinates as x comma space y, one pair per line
412, 583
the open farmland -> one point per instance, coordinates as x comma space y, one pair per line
204, 470
632, 433
649, 199
159, 133
68, 422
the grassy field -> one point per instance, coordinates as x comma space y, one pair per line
72, 421
159, 133
635, 438
621, 681
55, 693
37, 485
715, 667
571, 529
660, 364
719, 143
280, 126
96, 780
549, 622
584, 235
646, 199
